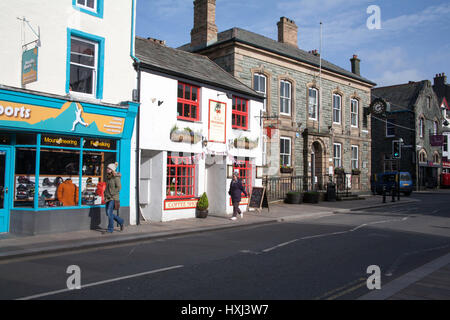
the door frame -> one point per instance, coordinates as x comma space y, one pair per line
8, 183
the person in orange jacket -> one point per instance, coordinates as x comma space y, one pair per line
68, 193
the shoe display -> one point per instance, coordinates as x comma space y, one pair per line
22, 195
58, 181
25, 180
46, 194
22, 187
47, 183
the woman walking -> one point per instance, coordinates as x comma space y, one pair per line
236, 188
111, 194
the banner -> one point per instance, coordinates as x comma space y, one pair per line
29, 66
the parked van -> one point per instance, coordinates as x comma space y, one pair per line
389, 180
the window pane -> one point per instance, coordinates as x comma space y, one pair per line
81, 79
91, 3
179, 109
194, 94
180, 90
24, 178
187, 92
25, 139
193, 111
82, 52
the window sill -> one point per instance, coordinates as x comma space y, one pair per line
188, 120
83, 97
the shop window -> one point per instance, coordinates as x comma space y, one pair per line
240, 113
180, 176
93, 182
244, 167
5, 139
24, 177
188, 105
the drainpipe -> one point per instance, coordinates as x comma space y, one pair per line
137, 67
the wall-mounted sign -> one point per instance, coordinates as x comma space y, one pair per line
217, 129
60, 141
71, 117
29, 66
445, 164
180, 204
99, 144
437, 140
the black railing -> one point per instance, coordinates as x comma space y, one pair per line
277, 187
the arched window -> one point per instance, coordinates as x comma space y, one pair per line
423, 156
436, 158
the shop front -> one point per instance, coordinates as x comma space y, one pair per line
53, 158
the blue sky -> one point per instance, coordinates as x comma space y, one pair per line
412, 44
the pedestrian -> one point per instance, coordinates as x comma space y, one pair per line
111, 195
236, 189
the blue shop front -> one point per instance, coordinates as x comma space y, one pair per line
53, 158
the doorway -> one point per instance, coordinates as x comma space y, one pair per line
5, 189
316, 166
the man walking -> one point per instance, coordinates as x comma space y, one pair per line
236, 189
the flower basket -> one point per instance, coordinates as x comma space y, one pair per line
286, 169
356, 172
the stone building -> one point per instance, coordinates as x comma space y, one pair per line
319, 108
414, 116
442, 90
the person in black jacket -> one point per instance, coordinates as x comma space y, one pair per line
236, 188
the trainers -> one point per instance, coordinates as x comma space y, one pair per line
241, 215
233, 218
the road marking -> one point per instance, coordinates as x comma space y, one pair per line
349, 290
280, 245
332, 292
331, 234
101, 282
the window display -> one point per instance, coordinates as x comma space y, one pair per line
62, 162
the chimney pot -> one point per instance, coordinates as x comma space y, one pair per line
355, 63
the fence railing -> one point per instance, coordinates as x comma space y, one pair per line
277, 187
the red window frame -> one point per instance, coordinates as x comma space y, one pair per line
239, 113
180, 175
245, 173
187, 102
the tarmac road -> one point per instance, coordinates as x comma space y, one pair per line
317, 258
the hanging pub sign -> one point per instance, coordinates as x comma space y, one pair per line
29, 66
217, 121
60, 141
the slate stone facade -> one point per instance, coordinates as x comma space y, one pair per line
409, 104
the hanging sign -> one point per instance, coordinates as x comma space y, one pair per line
29, 66
217, 121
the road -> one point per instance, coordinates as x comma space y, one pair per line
322, 258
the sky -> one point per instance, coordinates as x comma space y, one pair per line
412, 43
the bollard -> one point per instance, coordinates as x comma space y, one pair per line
384, 194
393, 194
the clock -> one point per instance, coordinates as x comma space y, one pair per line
378, 106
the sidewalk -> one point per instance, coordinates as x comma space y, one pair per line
13, 246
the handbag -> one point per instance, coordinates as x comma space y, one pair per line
116, 205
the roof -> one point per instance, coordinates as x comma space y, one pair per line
402, 96
187, 65
265, 43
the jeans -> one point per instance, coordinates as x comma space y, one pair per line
236, 209
112, 216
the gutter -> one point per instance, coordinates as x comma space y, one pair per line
137, 67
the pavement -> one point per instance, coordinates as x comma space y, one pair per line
14, 247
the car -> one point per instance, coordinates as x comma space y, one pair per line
389, 180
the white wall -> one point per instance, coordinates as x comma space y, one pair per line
53, 18
156, 124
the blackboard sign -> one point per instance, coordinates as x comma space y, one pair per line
258, 198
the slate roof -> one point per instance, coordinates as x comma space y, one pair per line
402, 96
188, 65
265, 43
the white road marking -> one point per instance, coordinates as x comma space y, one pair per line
330, 234
101, 282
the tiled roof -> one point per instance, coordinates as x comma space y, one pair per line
262, 42
188, 65
402, 96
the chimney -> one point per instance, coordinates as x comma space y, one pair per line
287, 31
440, 80
157, 41
205, 29
355, 65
